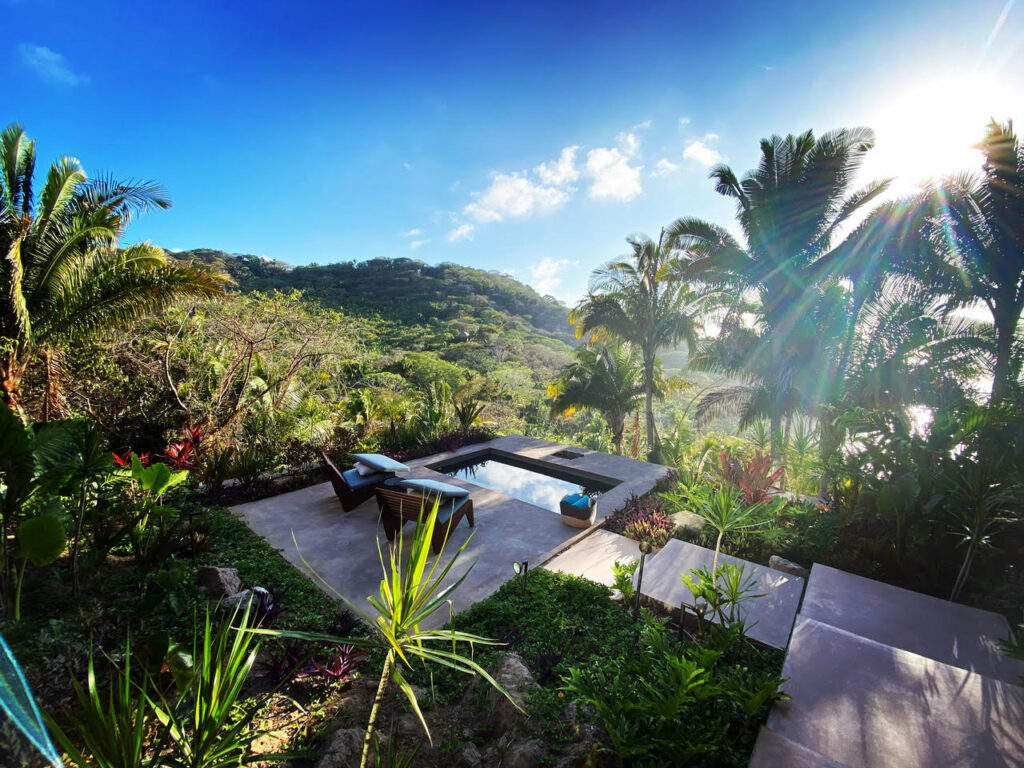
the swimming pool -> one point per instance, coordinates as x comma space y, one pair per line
541, 486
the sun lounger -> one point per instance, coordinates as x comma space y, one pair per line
352, 488
398, 506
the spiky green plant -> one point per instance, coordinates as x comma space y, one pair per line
411, 593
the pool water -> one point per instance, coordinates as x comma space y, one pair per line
541, 487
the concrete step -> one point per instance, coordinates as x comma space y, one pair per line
773, 750
769, 618
868, 705
937, 629
593, 557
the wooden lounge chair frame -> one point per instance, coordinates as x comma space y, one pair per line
349, 497
397, 507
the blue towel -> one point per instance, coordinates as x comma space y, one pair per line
583, 502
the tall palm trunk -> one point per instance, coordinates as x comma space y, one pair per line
618, 426
652, 434
1006, 327
18, 328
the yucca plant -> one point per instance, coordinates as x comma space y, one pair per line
410, 594
117, 730
207, 726
723, 507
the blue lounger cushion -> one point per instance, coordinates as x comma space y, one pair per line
447, 508
433, 486
379, 462
354, 480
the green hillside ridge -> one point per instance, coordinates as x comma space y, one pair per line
404, 290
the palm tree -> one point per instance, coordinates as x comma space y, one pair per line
974, 227
789, 209
62, 273
635, 299
607, 378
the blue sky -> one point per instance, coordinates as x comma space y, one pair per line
530, 139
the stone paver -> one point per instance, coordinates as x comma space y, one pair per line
938, 629
593, 557
868, 705
775, 751
342, 547
769, 618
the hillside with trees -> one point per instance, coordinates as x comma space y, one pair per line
405, 290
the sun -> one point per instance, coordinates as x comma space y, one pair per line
929, 129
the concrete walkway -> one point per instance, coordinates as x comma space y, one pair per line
769, 611
881, 677
342, 548
593, 557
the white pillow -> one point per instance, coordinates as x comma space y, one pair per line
364, 470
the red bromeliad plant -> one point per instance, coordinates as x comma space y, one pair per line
756, 479
185, 455
643, 518
124, 460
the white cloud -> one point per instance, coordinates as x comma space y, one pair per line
461, 232
612, 175
49, 65
710, 137
702, 153
513, 195
641, 126
545, 275
407, 166
665, 167
560, 172
684, 121
418, 243
628, 143
412, 233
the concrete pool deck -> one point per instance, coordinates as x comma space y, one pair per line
341, 548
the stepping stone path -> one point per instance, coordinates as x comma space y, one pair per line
769, 618
882, 677
593, 557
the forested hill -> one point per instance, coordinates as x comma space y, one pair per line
404, 290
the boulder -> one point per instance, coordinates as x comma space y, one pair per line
345, 749
787, 566
261, 600
690, 522
514, 677
524, 754
574, 712
218, 582
468, 757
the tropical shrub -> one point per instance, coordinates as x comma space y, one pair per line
643, 518
668, 703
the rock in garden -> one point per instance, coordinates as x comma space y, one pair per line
514, 677
345, 749
787, 566
261, 599
524, 754
218, 582
688, 521
468, 757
